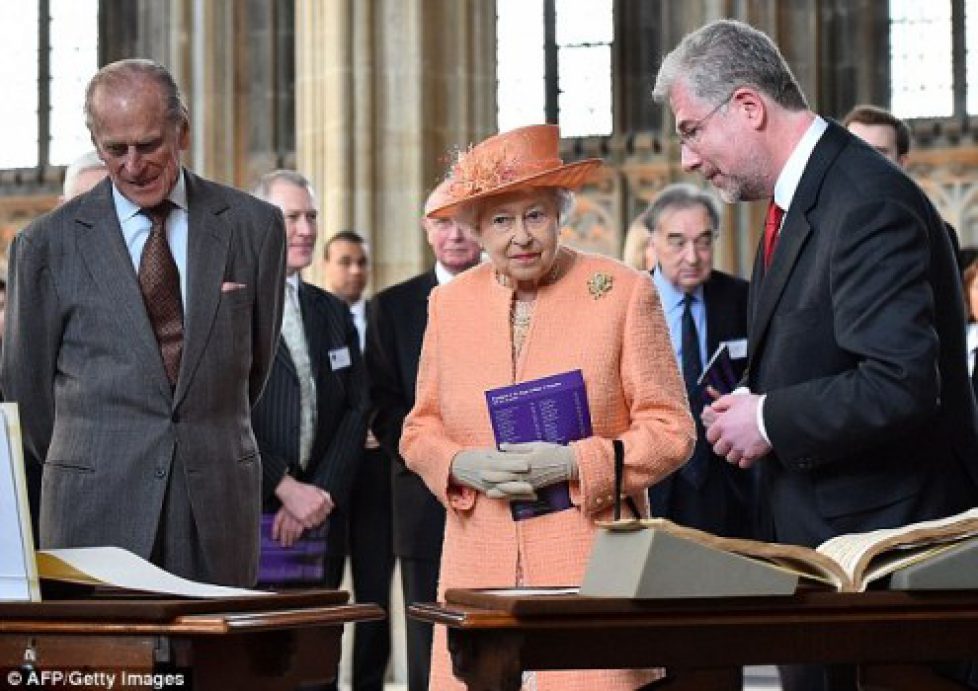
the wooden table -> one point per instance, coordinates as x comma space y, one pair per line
273, 642
704, 642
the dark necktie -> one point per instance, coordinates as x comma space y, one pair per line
771, 226
692, 363
159, 281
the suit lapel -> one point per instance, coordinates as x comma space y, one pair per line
104, 252
769, 285
429, 285
208, 246
312, 318
794, 234
714, 313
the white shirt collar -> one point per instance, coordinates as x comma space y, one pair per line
794, 168
442, 274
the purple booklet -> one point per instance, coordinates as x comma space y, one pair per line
720, 372
553, 409
301, 564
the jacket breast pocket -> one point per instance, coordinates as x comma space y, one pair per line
235, 313
237, 297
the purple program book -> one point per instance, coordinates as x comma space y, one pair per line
301, 564
553, 409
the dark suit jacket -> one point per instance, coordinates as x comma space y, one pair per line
857, 337
724, 502
81, 359
398, 319
341, 405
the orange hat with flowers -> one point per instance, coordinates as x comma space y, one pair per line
509, 161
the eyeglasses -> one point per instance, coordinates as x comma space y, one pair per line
690, 134
702, 243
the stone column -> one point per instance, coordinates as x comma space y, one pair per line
383, 90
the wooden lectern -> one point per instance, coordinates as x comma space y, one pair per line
703, 642
273, 642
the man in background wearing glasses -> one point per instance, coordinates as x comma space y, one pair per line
704, 309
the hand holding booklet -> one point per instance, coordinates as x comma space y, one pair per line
720, 372
553, 409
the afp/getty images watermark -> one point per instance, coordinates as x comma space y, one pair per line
128, 680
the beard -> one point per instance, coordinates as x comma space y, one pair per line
750, 185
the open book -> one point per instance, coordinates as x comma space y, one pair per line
847, 562
118, 568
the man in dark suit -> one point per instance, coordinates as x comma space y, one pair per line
142, 323
311, 421
859, 412
346, 270
397, 323
705, 308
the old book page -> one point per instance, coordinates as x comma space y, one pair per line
114, 566
847, 562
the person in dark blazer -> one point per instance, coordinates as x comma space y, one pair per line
135, 371
309, 464
346, 271
860, 414
706, 493
396, 329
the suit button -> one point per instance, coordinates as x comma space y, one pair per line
161, 472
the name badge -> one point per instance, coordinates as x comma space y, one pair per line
339, 358
737, 348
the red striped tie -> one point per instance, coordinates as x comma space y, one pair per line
771, 226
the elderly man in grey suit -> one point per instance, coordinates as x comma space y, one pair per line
143, 319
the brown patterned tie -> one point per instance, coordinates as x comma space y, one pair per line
159, 281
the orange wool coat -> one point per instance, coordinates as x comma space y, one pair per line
620, 341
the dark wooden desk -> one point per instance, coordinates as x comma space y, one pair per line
493, 639
275, 642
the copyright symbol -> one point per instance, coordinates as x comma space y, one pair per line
14, 678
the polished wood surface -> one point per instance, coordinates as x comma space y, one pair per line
702, 642
279, 644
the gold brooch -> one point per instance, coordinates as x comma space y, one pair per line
599, 284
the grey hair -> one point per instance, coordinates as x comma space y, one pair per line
682, 195
87, 161
726, 54
470, 214
263, 188
126, 73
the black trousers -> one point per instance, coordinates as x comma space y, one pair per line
419, 581
372, 565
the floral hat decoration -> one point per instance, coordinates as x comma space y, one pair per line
518, 159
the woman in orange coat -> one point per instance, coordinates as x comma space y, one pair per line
537, 309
